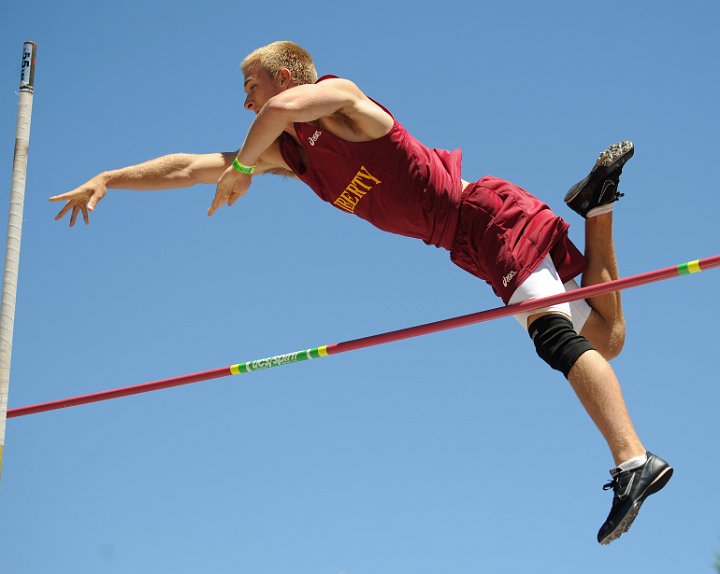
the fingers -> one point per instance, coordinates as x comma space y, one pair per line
213, 206
74, 194
80, 200
221, 196
77, 208
223, 190
231, 186
63, 211
215, 203
73, 216
93, 201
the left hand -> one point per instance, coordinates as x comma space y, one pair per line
230, 187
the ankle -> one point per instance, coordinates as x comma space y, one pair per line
634, 462
627, 455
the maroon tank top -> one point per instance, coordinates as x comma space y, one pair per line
496, 231
394, 182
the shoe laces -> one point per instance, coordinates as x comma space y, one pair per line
619, 482
614, 484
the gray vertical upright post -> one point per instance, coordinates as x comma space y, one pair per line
14, 233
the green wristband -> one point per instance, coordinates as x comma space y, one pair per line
240, 168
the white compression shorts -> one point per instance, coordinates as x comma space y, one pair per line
545, 282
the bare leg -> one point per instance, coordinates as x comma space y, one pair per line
595, 194
591, 376
597, 387
605, 328
594, 382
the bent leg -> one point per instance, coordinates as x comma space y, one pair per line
593, 199
605, 328
601, 265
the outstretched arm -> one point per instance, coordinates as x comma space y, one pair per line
166, 172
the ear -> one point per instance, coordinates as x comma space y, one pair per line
284, 78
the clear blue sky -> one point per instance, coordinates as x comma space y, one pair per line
456, 452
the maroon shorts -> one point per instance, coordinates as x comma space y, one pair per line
503, 233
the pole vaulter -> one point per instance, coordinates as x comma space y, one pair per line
379, 339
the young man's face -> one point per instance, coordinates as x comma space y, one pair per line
259, 87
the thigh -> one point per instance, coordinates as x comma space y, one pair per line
544, 282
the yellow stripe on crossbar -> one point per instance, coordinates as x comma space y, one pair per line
235, 369
694, 266
322, 351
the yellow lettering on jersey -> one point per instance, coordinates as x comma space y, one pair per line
360, 185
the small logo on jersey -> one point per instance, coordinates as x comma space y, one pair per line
315, 137
508, 278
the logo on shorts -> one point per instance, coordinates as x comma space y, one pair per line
315, 137
508, 278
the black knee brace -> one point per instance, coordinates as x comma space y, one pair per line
557, 343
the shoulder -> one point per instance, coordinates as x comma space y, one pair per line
365, 117
348, 87
338, 83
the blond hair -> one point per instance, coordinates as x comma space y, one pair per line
283, 54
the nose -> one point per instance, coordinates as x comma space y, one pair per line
249, 104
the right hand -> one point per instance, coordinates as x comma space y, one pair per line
82, 199
230, 187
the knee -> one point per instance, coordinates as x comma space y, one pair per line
612, 344
557, 342
607, 337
